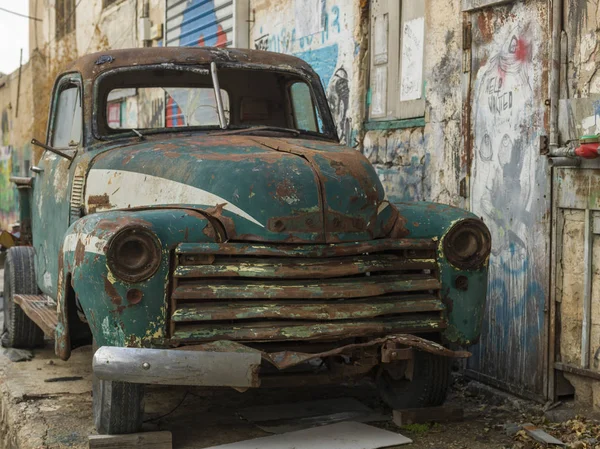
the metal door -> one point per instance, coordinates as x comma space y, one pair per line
507, 87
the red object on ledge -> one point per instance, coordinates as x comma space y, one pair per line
587, 151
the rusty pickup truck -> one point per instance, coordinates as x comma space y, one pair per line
195, 218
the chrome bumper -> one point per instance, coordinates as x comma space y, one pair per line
177, 367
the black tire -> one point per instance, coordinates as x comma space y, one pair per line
118, 407
428, 387
19, 278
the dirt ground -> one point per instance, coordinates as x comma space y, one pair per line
46, 403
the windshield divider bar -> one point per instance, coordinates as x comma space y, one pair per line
218, 98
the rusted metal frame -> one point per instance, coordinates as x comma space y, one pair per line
36, 308
339, 288
330, 129
302, 268
584, 372
339, 310
336, 250
391, 352
287, 358
586, 326
306, 330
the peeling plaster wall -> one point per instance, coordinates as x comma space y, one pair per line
322, 32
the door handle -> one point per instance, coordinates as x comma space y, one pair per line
35, 169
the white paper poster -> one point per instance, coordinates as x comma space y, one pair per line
411, 83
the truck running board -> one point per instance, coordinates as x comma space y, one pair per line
36, 307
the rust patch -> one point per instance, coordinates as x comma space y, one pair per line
399, 229
112, 292
79, 252
113, 225
485, 23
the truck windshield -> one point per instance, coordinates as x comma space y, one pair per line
155, 100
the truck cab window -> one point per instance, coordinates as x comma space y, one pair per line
304, 109
66, 131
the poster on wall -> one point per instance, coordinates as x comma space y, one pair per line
411, 81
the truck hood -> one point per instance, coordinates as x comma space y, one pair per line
265, 188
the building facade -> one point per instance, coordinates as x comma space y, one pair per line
461, 102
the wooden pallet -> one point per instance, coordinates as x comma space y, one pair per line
36, 307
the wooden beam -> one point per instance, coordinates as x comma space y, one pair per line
145, 440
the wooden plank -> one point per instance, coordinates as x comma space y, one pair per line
338, 289
337, 250
36, 308
337, 310
303, 268
445, 413
307, 330
145, 440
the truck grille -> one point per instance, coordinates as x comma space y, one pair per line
256, 292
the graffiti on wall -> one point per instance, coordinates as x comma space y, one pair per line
201, 24
316, 36
505, 191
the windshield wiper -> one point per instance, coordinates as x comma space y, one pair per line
262, 128
139, 134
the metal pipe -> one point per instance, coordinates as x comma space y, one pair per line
564, 162
554, 83
587, 291
218, 97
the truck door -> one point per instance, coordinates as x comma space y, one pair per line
50, 206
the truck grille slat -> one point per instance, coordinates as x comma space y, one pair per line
261, 292
303, 268
288, 330
310, 310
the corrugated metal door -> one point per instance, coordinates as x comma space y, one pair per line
509, 188
206, 23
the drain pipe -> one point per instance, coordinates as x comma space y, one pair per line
554, 83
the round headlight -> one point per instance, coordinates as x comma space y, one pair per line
134, 254
468, 244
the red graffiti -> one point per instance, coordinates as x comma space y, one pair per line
221, 37
522, 50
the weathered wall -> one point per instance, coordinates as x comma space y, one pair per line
322, 32
15, 134
577, 191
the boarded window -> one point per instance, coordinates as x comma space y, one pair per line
397, 56
64, 17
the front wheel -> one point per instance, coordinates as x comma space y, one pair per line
19, 279
428, 387
118, 407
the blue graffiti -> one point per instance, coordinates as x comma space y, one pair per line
200, 27
323, 61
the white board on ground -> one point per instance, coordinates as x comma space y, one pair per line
344, 435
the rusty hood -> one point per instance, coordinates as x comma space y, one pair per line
266, 188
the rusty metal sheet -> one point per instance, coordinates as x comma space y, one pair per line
307, 330
338, 288
338, 250
344, 310
287, 359
303, 268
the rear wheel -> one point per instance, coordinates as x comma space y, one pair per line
118, 407
19, 279
428, 387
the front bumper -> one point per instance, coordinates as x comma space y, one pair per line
232, 364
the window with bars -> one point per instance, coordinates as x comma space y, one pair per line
65, 17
